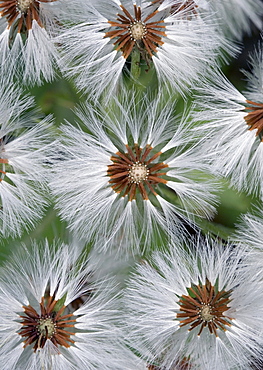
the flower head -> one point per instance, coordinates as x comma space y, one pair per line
26, 39
235, 122
54, 314
135, 173
101, 46
23, 162
196, 308
205, 306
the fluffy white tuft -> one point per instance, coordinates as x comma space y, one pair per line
23, 162
81, 185
235, 151
31, 55
237, 16
89, 57
152, 301
66, 273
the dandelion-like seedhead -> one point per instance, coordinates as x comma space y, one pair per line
27, 48
195, 307
21, 13
140, 286
234, 121
54, 314
123, 171
100, 47
23, 163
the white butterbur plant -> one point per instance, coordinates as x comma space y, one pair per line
235, 121
54, 315
23, 163
195, 309
131, 184
112, 37
27, 28
122, 169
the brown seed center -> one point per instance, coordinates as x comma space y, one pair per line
138, 172
49, 324
138, 30
131, 27
205, 307
135, 170
23, 5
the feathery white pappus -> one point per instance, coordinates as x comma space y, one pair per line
249, 234
106, 32
27, 29
113, 178
249, 230
54, 315
199, 307
24, 143
234, 121
236, 17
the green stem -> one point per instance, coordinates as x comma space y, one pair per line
135, 64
